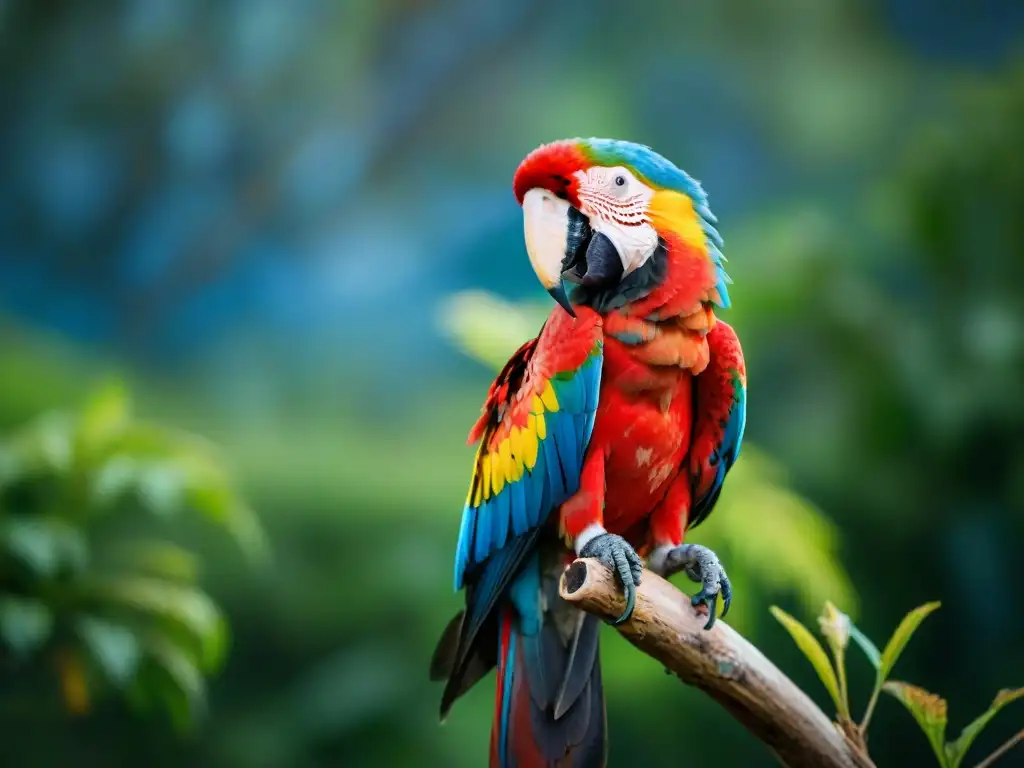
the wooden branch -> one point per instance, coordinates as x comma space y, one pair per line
722, 664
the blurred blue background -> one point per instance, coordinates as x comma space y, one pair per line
289, 227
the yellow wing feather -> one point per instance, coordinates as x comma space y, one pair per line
548, 397
516, 441
516, 453
529, 441
507, 467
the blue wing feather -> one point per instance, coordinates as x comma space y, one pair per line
571, 393
581, 433
501, 516
525, 503
553, 468
518, 502
537, 493
740, 419
483, 531
567, 447
546, 492
469, 523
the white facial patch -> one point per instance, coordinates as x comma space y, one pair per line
616, 203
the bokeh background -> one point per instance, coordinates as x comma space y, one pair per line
288, 228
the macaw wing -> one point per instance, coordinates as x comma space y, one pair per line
533, 432
720, 394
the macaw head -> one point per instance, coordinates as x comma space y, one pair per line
602, 213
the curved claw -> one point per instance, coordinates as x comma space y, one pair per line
702, 565
726, 594
616, 553
712, 603
630, 592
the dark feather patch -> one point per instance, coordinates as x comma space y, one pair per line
544, 665
581, 660
591, 748
443, 661
478, 662
635, 286
485, 586
577, 737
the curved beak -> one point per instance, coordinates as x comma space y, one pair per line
546, 227
562, 245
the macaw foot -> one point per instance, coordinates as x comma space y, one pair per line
702, 566
616, 553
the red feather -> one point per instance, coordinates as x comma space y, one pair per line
551, 166
716, 393
563, 344
689, 281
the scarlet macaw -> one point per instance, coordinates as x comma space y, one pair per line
607, 436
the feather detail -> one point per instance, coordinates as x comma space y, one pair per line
542, 405
721, 408
549, 704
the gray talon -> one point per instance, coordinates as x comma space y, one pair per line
616, 553
701, 565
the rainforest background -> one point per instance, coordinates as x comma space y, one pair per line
288, 229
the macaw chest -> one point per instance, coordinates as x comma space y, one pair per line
646, 436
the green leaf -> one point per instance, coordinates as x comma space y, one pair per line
901, 637
105, 412
25, 624
181, 611
956, 751
160, 483
488, 328
157, 558
812, 649
113, 479
869, 648
9, 466
179, 684
170, 481
142, 441
930, 712
45, 544
220, 504
43, 447
835, 626
115, 648
162, 486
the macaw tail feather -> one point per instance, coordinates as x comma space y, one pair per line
477, 663
549, 704
549, 707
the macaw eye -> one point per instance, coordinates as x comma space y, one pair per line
620, 181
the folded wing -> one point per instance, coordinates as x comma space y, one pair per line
533, 432
721, 415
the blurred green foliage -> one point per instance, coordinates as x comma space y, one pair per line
85, 587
